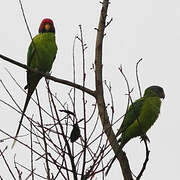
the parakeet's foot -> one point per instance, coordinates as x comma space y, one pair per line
145, 137
48, 73
26, 87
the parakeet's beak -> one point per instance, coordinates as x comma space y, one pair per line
47, 27
163, 95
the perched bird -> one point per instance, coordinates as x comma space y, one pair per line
41, 54
140, 116
75, 133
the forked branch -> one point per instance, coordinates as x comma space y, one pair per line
121, 156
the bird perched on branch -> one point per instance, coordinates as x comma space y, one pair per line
75, 133
140, 116
41, 54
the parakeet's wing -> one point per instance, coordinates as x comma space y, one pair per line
147, 116
41, 55
131, 115
149, 112
31, 52
30, 55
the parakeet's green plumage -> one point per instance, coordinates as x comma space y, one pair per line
41, 55
141, 115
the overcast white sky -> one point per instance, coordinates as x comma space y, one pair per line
147, 29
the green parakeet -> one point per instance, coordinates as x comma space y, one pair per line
41, 54
140, 116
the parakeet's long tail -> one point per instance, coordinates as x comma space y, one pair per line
20, 122
34, 79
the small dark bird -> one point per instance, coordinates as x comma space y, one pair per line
75, 133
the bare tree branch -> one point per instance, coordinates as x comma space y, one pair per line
137, 77
145, 162
8, 167
100, 98
48, 76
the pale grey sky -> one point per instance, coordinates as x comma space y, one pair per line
147, 29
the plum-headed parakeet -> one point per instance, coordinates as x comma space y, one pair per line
140, 116
40, 56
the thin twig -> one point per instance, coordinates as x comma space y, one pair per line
145, 142
38, 175
84, 103
18, 171
145, 162
44, 138
74, 76
64, 137
74, 89
27, 26
32, 159
128, 87
108, 23
22, 9
137, 78
9, 169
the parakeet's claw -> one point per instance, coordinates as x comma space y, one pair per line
26, 87
144, 138
48, 73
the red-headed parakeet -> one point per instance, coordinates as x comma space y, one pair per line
140, 116
41, 54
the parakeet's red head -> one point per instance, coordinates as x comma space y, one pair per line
46, 25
